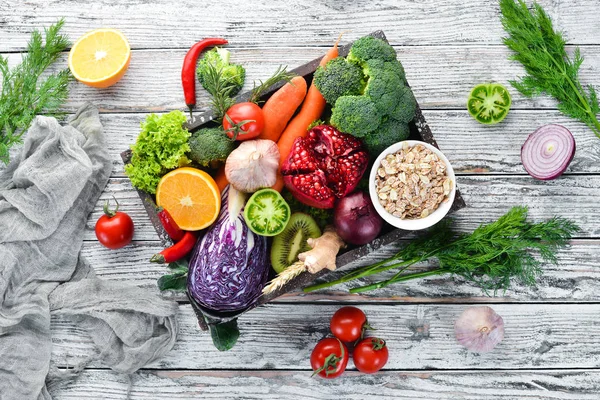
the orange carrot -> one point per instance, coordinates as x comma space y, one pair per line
280, 107
311, 110
221, 179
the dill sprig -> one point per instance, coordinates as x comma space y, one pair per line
280, 75
491, 257
23, 96
542, 52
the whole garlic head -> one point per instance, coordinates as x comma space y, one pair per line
479, 329
253, 165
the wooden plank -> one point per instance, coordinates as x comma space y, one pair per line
282, 336
576, 278
262, 385
492, 149
292, 23
441, 77
487, 196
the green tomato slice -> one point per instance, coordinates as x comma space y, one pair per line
489, 103
267, 213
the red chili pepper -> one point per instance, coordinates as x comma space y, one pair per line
188, 72
177, 251
171, 227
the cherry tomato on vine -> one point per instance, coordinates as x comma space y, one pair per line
244, 121
329, 358
348, 324
370, 355
114, 229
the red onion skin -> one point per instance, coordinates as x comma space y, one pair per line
356, 220
527, 158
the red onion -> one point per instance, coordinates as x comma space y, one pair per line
548, 151
356, 220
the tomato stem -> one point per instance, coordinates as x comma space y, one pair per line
111, 213
331, 362
378, 344
365, 327
236, 129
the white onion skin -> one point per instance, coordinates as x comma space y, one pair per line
541, 163
479, 329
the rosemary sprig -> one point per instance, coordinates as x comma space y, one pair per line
219, 89
542, 52
23, 96
280, 75
491, 257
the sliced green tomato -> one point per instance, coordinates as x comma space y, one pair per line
489, 103
267, 213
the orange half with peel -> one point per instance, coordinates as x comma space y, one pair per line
100, 57
191, 196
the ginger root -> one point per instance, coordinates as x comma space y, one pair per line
324, 251
323, 254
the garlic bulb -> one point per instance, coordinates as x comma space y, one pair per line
479, 329
253, 165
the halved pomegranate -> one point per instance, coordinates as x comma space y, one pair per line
325, 165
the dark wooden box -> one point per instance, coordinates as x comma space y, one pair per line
419, 131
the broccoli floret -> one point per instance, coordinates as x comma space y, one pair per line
396, 67
389, 132
209, 146
383, 85
356, 115
232, 74
378, 107
407, 104
369, 47
338, 78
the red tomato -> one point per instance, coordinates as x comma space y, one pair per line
114, 229
244, 121
348, 324
370, 355
329, 358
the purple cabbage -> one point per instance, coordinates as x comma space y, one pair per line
229, 266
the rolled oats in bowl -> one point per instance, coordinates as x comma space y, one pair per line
412, 182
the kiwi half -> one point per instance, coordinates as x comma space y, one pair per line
292, 241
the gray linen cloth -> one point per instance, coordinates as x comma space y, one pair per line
46, 194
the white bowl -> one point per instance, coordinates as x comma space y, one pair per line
412, 224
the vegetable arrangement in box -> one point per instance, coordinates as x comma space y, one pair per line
270, 188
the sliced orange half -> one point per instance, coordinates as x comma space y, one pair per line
100, 58
191, 196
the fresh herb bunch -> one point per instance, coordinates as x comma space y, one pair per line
542, 52
491, 257
220, 90
23, 96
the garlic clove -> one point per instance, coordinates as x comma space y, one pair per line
253, 165
479, 329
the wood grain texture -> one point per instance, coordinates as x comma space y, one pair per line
487, 196
575, 279
291, 385
551, 347
282, 336
441, 77
167, 24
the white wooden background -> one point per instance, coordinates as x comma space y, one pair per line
552, 344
